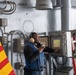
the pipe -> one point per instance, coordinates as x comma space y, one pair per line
66, 15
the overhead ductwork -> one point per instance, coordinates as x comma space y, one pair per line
44, 5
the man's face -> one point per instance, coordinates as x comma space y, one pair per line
36, 38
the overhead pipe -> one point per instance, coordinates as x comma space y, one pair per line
66, 15
28, 4
57, 4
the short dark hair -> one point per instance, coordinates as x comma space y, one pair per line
32, 34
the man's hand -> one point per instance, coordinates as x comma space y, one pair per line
40, 49
56, 50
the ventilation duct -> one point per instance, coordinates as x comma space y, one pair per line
44, 5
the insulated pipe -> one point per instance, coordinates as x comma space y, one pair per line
66, 15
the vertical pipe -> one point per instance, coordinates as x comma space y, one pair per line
11, 50
58, 3
66, 15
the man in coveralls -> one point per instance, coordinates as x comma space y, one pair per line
34, 55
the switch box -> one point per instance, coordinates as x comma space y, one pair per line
3, 22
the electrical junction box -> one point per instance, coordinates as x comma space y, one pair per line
61, 41
3, 22
18, 45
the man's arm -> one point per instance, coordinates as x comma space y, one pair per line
51, 50
47, 49
30, 55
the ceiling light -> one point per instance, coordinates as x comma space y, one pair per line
44, 5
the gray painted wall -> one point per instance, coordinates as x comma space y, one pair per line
42, 21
